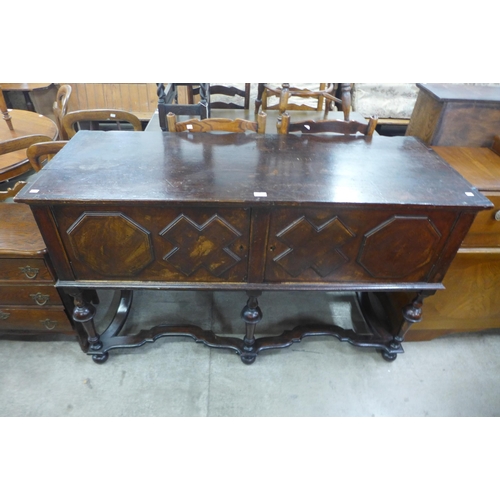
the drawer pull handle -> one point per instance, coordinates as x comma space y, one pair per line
30, 272
4, 315
497, 215
48, 323
39, 298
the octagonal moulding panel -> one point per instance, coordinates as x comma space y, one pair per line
399, 247
111, 243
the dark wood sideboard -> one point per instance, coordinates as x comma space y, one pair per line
449, 114
133, 210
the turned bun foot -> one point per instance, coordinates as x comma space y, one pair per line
388, 356
100, 358
248, 359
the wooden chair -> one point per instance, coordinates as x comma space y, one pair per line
60, 108
11, 192
42, 152
217, 124
75, 120
197, 99
168, 102
14, 145
284, 126
231, 92
325, 97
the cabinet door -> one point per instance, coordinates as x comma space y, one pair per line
169, 244
355, 245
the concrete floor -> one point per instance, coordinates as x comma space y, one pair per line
452, 376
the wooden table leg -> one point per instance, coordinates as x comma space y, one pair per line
84, 313
412, 313
251, 315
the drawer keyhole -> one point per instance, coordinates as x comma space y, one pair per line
497, 215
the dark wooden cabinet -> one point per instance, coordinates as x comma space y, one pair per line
248, 212
29, 301
448, 114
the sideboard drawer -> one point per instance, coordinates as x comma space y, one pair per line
485, 231
24, 270
32, 295
34, 319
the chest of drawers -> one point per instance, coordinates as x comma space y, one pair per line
29, 301
471, 300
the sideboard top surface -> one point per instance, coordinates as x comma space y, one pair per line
110, 167
461, 92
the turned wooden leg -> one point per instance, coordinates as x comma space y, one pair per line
83, 313
412, 313
251, 315
81, 335
204, 101
346, 100
5, 111
258, 101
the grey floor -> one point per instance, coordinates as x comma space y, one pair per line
456, 375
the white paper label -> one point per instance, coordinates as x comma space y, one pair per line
34, 190
189, 126
468, 193
260, 194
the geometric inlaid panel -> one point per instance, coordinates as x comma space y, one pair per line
398, 247
111, 243
204, 245
313, 247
